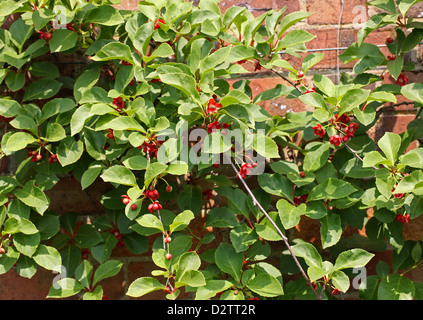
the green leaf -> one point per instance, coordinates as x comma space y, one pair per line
229, 261
316, 157
62, 40
237, 199
14, 226
18, 140
340, 280
69, 151
190, 199
413, 158
373, 158
294, 38
353, 258
144, 285
192, 278
48, 258
265, 285
390, 144
162, 51
150, 221
213, 60
331, 188
89, 176
181, 81
106, 270
212, 288
55, 132
8, 259
276, 184
388, 5
266, 229
153, 170
102, 251
41, 89
181, 221
104, 15
395, 66
242, 237
221, 217
289, 214
413, 91
83, 273
265, 146
309, 253
125, 123
120, 175
114, 51
15, 80
26, 243
330, 230
353, 98
87, 236
31, 195
396, 287
65, 287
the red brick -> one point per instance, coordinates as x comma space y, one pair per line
328, 12
15, 287
416, 11
258, 7
277, 106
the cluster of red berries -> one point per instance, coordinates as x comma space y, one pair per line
151, 146
300, 199
153, 194
6, 119
397, 195
126, 200
53, 159
246, 169
403, 218
207, 194
118, 236
402, 80
35, 156
155, 206
310, 90
110, 134
342, 123
119, 103
216, 125
213, 106
45, 35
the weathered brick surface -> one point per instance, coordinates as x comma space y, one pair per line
328, 12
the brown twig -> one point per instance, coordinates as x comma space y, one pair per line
284, 238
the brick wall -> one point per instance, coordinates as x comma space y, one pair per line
67, 196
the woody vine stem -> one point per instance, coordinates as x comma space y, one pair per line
284, 238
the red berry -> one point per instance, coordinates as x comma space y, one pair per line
335, 140
125, 199
157, 24
133, 206
302, 174
168, 256
168, 239
38, 157
300, 74
319, 131
48, 36
169, 188
389, 40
